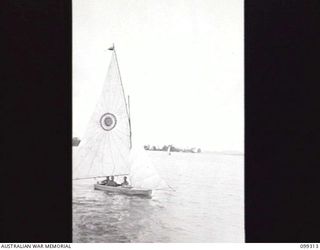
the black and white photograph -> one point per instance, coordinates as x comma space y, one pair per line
158, 121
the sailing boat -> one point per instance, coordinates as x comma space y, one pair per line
105, 148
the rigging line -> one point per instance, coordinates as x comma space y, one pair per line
124, 99
123, 94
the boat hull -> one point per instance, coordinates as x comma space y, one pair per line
124, 190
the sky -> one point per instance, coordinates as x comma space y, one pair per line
181, 62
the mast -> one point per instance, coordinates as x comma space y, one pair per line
125, 101
130, 121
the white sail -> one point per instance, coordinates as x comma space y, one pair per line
143, 173
105, 147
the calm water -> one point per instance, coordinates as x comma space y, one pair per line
206, 206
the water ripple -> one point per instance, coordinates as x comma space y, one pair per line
206, 206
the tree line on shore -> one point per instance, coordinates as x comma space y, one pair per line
76, 141
172, 148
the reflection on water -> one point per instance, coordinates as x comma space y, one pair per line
205, 206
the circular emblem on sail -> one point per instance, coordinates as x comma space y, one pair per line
108, 121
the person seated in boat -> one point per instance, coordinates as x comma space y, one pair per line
106, 181
125, 182
112, 183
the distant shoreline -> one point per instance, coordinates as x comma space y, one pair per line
205, 152
225, 153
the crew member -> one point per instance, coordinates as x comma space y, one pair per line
112, 183
125, 182
106, 181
